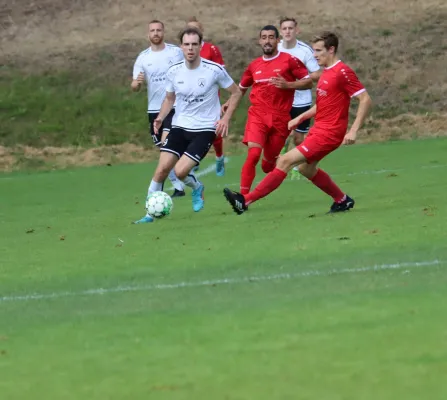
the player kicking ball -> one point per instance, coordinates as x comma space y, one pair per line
192, 84
337, 85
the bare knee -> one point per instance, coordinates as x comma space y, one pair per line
285, 162
181, 171
162, 172
308, 170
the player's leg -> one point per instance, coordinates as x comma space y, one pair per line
176, 183
255, 135
271, 182
299, 134
198, 146
220, 162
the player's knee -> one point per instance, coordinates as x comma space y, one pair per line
284, 162
181, 171
161, 173
267, 166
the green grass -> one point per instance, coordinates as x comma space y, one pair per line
336, 334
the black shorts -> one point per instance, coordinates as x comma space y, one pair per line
305, 125
165, 126
194, 145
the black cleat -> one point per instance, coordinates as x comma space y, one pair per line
345, 205
236, 200
178, 193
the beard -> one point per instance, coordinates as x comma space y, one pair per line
156, 39
268, 50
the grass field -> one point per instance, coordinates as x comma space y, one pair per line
283, 302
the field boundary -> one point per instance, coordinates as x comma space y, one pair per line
404, 266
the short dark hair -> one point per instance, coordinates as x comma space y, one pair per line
287, 19
270, 28
157, 21
189, 30
330, 39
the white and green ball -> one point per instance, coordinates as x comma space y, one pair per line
159, 204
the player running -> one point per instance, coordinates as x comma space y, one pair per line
211, 52
302, 101
194, 83
274, 80
151, 66
337, 85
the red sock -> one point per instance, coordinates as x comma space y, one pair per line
248, 172
324, 182
266, 186
218, 146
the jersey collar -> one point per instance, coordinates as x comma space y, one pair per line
270, 59
333, 65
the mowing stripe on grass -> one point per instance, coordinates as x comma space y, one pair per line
222, 281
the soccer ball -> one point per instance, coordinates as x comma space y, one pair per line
159, 204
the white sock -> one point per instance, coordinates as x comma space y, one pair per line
154, 187
191, 181
177, 183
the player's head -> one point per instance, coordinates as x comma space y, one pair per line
325, 47
156, 31
269, 40
191, 43
288, 28
194, 23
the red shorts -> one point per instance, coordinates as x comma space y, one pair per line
316, 145
268, 130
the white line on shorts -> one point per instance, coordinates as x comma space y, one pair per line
223, 281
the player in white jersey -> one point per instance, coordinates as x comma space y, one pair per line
193, 84
303, 98
150, 67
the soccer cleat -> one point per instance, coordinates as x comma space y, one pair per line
146, 219
345, 205
295, 175
197, 198
178, 193
220, 166
236, 200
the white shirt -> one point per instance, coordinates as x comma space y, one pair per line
305, 54
197, 94
154, 65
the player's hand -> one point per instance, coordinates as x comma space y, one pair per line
293, 123
157, 124
224, 108
222, 127
140, 78
279, 82
350, 138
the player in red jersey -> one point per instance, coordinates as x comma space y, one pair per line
274, 77
211, 52
337, 85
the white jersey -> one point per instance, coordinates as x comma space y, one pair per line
305, 54
197, 94
154, 65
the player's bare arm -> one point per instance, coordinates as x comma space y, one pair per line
302, 117
365, 103
231, 105
226, 104
315, 76
281, 83
137, 83
165, 109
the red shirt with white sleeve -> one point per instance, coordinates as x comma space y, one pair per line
336, 86
263, 94
212, 53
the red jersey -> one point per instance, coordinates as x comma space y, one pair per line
336, 86
265, 95
212, 53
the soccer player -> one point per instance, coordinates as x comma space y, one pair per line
274, 78
302, 102
194, 83
151, 66
211, 52
337, 85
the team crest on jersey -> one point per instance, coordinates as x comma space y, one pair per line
201, 82
170, 61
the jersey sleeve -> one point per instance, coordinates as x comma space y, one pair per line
216, 55
311, 63
137, 67
224, 79
349, 82
170, 81
298, 69
178, 54
247, 78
